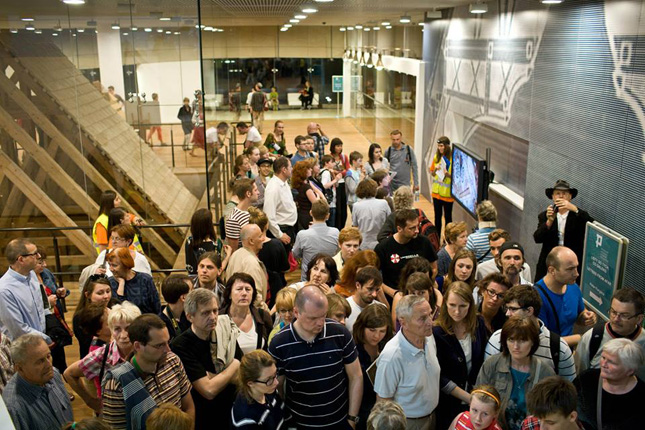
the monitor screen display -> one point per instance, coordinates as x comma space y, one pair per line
467, 177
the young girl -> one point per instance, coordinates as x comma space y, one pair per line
484, 407
253, 154
341, 164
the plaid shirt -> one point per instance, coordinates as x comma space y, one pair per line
6, 364
91, 363
319, 145
532, 423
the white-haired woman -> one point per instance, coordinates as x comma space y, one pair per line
94, 365
613, 389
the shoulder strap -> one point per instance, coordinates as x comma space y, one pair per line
388, 152
483, 256
555, 313
554, 345
409, 155
596, 338
105, 354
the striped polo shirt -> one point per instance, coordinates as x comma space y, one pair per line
317, 386
236, 220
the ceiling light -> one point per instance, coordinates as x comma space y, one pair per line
116, 26
359, 27
388, 27
26, 19
287, 26
405, 19
38, 32
294, 20
176, 33
366, 29
164, 18
147, 30
323, 1
125, 34
80, 30
478, 8
350, 28
384, 23
208, 28
160, 30
342, 29
379, 63
551, 1
355, 57
74, 2
14, 31
168, 32
58, 29
309, 9
284, 29
135, 28
370, 63
220, 30
54, 34
300, 16
376, 28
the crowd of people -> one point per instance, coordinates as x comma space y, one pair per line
389, 327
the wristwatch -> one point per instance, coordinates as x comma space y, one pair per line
353, 418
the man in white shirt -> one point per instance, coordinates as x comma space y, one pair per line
253, 137
279, 205
408, 370
496, 239
368, 285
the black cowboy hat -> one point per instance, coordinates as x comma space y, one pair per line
561, 185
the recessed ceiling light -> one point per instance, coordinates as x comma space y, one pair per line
323, 1
358, 27
125, 34
54, 34
293, 20
350, 28
405, 19
551, 1
284, 29
160, 30
385, 23
38, 32
135, 28
14, 31
168, 32
74, 2
116, 26
164, 18
287, 26
478, 8
376, 28
366, 29
309, 9
208, 28
26, 19
388, 27
176, 33
342, 29
147, 30
300, 16
80, 30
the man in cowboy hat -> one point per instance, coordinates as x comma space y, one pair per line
562, 224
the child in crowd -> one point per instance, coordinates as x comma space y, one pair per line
329, 180
273, 99
167, 416
284, 304
339, 308
553, 403
355, 174
484, 408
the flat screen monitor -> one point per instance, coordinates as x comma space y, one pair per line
469, 184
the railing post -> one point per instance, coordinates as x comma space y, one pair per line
172, 146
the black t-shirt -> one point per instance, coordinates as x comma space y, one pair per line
195, 354
619, 412
394, 256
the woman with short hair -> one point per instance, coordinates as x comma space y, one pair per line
456, 234
369, 213
127, 284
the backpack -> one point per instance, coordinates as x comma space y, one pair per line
554, 346
428, 229
596, 339
389, 152
327, 192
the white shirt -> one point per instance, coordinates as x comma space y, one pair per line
211, 135
356, 311
248, 341
279, 205
253, 135
562, 222
141, 264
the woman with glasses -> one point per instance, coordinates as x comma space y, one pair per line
257, 404
371, 331
515, 370
461, 339
491, 291
128, 284
123, 236
284, 304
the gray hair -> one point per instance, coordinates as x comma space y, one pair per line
310, 293
21, 348
629, 352
403, 198
126, 312
386, 415
197, 297
405, 307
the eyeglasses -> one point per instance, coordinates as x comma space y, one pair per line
285, 311
513, 309
33, 254
269, 381
494, 294
117, 239
619, 315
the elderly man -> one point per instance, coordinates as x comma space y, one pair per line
561, 296
152, 376
21, 301
563, 223
246, 260
213, 390
35, 395
625, 321
317, 357
320, 138
511, 259
407, 371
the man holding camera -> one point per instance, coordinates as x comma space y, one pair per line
562, 224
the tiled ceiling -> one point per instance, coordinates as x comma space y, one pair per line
214, 12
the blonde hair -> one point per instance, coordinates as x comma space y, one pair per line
126, 312
454, 229
168, 416
258, 218
403, 198
285, 298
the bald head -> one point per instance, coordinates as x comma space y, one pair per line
310, 294
252, 237
312, 127
558, 255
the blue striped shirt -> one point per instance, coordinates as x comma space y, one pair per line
317, 385
478, 243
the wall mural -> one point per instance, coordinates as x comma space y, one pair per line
556, 92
